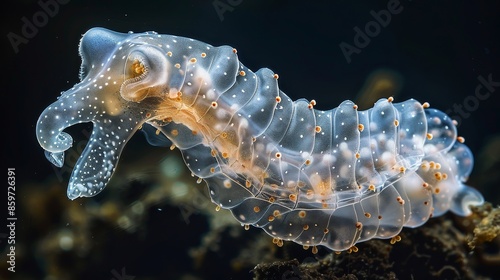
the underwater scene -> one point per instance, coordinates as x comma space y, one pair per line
236, 139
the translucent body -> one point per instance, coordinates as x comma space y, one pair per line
331, 178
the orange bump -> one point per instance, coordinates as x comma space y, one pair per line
400, 200
359, 225
280, 243
424, 166
395, 239
314, 250
311, 104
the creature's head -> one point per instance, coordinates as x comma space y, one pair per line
125, 81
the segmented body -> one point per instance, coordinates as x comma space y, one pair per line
332, 178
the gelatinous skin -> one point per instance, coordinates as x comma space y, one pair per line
331, 178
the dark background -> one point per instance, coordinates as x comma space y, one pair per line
439, 50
